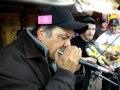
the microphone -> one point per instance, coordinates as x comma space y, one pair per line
90, 64
95, 66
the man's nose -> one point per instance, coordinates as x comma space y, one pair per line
67, 43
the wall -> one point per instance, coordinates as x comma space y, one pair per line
11, 23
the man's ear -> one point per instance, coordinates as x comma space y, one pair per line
40, 33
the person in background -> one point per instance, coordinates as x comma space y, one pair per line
103, 28
82, 41
43, 58
111, 38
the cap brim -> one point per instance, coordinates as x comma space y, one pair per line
74, 25
114, 24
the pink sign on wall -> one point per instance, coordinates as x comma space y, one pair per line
45, 19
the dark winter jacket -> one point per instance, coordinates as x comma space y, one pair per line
23, 66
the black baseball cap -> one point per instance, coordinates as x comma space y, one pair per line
62, 17
88, 19
114, 21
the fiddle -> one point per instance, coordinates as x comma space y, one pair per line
92, 51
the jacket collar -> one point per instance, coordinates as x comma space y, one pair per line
32, 49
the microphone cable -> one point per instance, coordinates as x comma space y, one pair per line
116, 77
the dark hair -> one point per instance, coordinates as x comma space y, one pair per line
102, 21
88, 19
47, 28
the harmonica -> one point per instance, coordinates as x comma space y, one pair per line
60, 53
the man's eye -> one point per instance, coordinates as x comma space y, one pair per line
64, 38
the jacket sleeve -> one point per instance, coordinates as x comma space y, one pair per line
16, 74
15, 82
62, 80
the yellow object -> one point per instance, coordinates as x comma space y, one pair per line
92, 51
114, 49
113, 16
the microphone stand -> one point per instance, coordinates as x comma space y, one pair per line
99, 74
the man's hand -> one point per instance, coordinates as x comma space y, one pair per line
111, 68
70, 59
